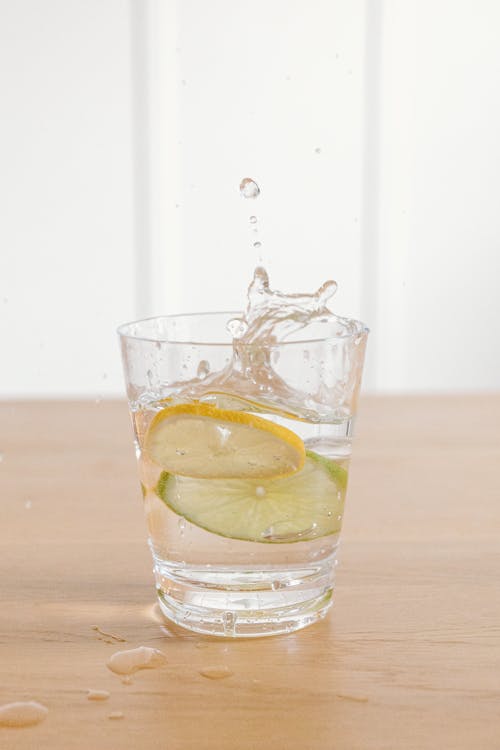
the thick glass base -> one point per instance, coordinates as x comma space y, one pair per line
241, 603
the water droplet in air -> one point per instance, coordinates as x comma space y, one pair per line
22, 714
317, 150
253, 219
237, 328
260, 491
1, 457
179, 452
249, 188
203, 369
105, 376
257, 245
275, 585
181, 523
28, 504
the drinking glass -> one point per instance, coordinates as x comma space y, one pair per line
245, 555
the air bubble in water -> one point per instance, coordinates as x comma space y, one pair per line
249, 188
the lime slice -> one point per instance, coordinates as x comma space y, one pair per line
202, 441
301, 507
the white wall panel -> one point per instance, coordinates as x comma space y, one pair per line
66, 249
438, 321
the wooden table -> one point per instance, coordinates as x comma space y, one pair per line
408, 657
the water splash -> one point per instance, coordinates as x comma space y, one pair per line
272, 317
203, 369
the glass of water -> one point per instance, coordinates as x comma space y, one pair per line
243, 453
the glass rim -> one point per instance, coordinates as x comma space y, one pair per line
123, 334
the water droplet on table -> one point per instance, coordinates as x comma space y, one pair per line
116, 715
249, 188
130, 661
97, 695
216, 673
22, 714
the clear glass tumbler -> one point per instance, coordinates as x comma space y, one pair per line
251, 552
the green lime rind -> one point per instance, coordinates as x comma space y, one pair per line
304, 506
337, 472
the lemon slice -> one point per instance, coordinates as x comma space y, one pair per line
304, 506
202, 441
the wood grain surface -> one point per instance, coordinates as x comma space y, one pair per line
408, 659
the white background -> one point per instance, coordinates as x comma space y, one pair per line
127, 126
